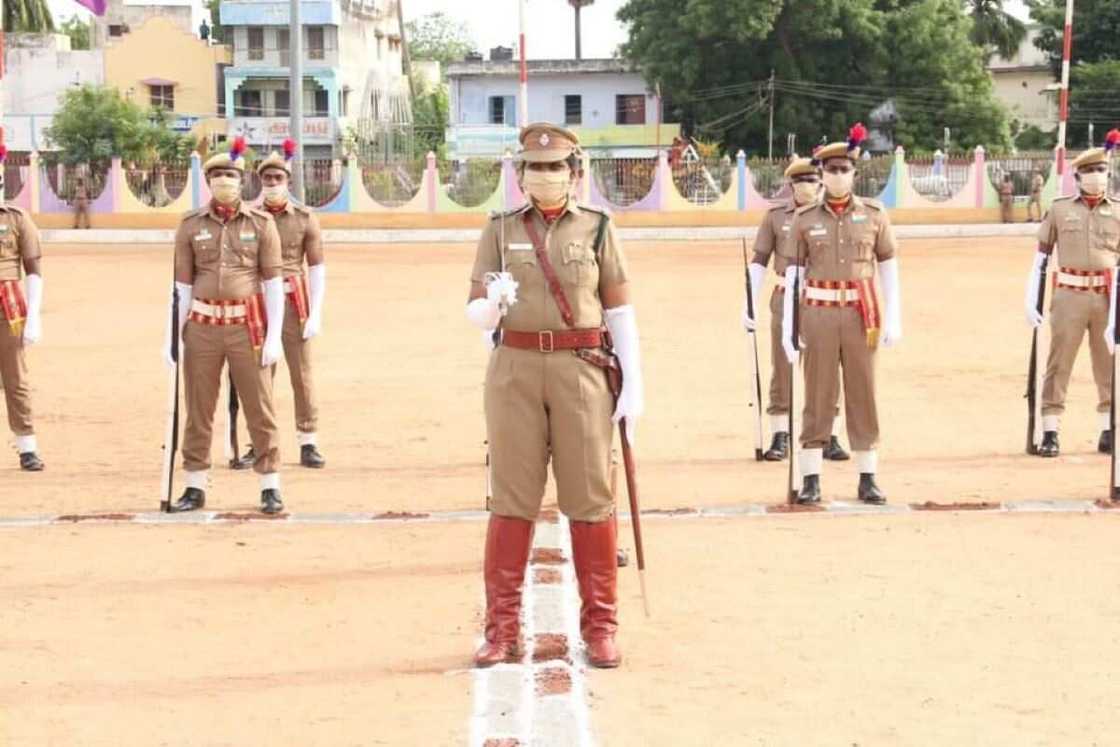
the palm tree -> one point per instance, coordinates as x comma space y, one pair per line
579, 4
27, 15
994, 28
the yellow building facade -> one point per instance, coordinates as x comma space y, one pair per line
159, 64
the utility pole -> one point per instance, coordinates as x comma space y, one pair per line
406, 59
1063, 113
295, 95
770, 138
523, 104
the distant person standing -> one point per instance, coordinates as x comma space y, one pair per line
81, 204
1006, 198
1034, 207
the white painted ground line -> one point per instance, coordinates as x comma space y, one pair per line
752, 510
127, 237
507, 702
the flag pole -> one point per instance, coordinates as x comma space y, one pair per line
1063, 106
523, 104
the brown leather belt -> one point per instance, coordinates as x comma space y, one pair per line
549, 340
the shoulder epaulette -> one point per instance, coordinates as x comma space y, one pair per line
259, 212
1065, 198
496, 214
873, 204
302, 209
807, 208
196, 213
594, 209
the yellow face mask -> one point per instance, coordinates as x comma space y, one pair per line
548, 188
225, 189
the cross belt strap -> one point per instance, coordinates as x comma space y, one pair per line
841, 293
549, 271
546, 341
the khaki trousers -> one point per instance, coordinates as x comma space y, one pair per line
548, 404
836, 341
205, 350
1072, 314
297, 352
1034, 208
779, 363
13, 375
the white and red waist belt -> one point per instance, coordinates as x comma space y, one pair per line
842, 293
1091, 281
228, 312
295, 288
13, 305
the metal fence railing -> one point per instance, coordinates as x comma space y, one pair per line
64, 178
1021, 168
872, 175
768, 176
393, 184
158, 185
322, 179
15, 173
472, 182
624, 181
703, 181
939, 177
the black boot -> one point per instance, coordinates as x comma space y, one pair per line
868, 491
244, 462
834, 452
1104, 445
29, 461
309, 456
270, 501
810, 490
779, 447
1049, 445
192, 500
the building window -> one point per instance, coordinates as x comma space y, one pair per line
281, 103
247, 103
322, 103
344, 103
497, 110
630, 110
256, 43
316, 48
573, 110
284, 42
116, 29
163, 97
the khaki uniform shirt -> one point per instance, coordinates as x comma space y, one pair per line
19, 240
1086, 239
300, 237
773, 236
569, 241
842, 247
227, 261
1037, 183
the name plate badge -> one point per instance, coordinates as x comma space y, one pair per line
859, 218
248, 237
818, 232
520, 247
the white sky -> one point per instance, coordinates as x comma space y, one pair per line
550, 24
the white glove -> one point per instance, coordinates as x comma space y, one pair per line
317, 290
757, 278
501, 288
1110, 330
484, 314
274, 313
33, 327
623, 327
792, 274
1030, 304
184, 309
892, 303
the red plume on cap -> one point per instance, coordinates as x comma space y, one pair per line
3, 152
237, 148
856, 135
1112, 141
289, 149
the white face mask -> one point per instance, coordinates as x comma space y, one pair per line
1094, 183
276, 194
548, 188
225, 189
838, 186
805, 193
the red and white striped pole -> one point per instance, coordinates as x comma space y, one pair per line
523, 98
1063, 106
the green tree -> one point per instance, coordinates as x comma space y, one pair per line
430, 118
834, 62
78, 30
1096, 30
28, 15
1092, 100
438, 37
994, 28
218, 32
95, 123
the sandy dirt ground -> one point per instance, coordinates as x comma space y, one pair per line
925, 630
920, 629
237, 635
399, 377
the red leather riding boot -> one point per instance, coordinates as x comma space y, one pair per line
507, 554
594, 554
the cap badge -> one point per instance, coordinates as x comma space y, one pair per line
544, 141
